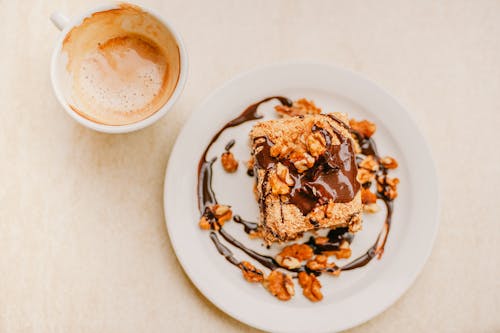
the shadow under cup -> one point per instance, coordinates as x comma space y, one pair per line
118, 67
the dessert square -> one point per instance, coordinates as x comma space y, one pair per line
305, 169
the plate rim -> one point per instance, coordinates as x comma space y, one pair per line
426, 147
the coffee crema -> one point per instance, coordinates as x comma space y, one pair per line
123, 65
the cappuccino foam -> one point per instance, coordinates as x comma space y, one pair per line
124, 66
123, 76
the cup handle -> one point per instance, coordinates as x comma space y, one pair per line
59, 19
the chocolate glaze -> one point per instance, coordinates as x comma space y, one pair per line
263, 158
206, 195
333, 176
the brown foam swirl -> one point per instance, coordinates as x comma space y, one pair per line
123, 65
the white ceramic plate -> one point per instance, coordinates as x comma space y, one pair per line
355, 296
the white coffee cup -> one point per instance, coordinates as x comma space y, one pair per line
63, 85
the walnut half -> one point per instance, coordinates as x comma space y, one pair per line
316, 144
280, 285
302, 162
370, 163
229, 163
298, 108
367, 196
389, 162
311, 287
364, 127
215, 216
250, 273
298, 251
277, 185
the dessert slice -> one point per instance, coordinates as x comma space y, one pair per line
305, 169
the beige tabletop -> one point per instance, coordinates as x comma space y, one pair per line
83, 243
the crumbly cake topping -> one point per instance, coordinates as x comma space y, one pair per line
306, 175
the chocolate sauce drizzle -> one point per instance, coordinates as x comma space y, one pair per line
248, 226
368, 147
335, 238
223, 250
206, 195
229, 145
266, 261
205, 190
310, 187
377, 249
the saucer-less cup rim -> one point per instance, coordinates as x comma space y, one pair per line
65, 25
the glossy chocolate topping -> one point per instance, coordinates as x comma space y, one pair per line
333, 176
